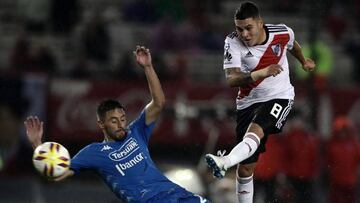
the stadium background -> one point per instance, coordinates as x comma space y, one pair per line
58, 58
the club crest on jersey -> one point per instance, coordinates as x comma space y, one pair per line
125, 151
276, 49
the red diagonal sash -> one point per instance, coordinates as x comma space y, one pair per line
268, 58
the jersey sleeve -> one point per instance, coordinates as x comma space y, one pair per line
290, 44
141, 127
82, 160
232, 54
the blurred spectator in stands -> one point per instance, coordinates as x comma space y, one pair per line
20, 54
336, 22
13, 105
177, 69
323, 55
139, 11
188, 34
302, 160
166, 72
35, 13
209, 39
124, 68
42, 59
199, 24
357, 14
164, 37
287, 6
212, 6
352, 48
96, 39
64, 15
95, 46
171, 9
163, 71
269, 166
80, 70
343, 162
197, 32
189, 31
26, 56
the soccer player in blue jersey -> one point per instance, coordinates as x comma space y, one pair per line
122, 159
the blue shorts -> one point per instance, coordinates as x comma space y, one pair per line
177, 195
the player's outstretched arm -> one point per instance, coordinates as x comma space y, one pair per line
153, 109
307, 64
34, 130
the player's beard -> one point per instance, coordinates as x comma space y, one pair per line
117, 135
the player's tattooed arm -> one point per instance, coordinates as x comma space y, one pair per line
237, 78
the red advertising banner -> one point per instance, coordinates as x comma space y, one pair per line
191, 114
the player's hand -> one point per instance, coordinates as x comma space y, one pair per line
272, 70
34, 130
143, 56
308, 65
63, 176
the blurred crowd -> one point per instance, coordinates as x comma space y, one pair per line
92, 39
303, 167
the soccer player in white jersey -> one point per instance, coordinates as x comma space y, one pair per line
255, 61
123, 159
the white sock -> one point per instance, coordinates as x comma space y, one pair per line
245, 189
243, 150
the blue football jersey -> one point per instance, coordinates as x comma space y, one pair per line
126, 166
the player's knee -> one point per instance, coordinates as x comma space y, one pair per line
245, 170
257, 129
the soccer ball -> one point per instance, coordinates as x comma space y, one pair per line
51, 159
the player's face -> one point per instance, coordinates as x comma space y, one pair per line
250, 31
114, 124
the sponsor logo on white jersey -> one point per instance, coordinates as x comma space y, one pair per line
227, 57
125, 151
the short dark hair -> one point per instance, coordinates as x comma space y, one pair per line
106, 106
246, 10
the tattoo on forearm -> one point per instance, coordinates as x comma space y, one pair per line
247, 78
239, 78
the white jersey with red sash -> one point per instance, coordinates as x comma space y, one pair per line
279, 39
